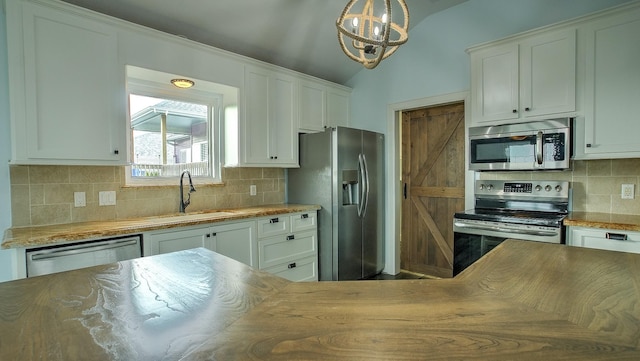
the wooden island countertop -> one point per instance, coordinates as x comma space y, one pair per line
522, 301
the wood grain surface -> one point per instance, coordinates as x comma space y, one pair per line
522, 301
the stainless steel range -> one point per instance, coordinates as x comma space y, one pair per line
525, 210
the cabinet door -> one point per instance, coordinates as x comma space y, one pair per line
548, 74
237, 241
72, 107
256, 132
313, 105
337, 108
612, 240
178, 240
611, 89
284, 120
304, 270
283, 249
270, 137
494, 83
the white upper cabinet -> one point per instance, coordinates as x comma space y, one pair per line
267, 134
525, 79
612, 87
322, 106
67, 91
313, 107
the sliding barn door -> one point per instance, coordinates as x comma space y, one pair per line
433, 171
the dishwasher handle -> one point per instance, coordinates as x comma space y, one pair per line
77, 249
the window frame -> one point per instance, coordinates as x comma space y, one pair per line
215, 114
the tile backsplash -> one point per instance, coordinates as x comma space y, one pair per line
596, 184
42, 195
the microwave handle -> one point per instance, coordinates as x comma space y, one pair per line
539, 157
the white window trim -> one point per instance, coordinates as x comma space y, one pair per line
212, 100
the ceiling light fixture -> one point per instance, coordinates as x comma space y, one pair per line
374, 34
182, 83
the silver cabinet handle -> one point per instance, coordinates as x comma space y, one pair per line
616, 236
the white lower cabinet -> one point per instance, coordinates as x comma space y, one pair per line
235, 240
607, 239
285, 245
288, 246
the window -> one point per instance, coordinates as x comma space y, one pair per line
172, 130
169, 136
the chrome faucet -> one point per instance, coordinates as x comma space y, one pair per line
183, 203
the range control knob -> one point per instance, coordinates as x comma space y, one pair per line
538, 188
558, 188
547, 188
490, 187
481, 187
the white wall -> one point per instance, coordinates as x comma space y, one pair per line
434, 63
6, 261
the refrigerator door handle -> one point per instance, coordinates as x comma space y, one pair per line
361, 186
365, 185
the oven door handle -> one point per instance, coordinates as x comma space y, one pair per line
503, 229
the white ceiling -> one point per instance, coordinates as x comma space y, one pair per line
296, 34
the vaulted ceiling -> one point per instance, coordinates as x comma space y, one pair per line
296, 34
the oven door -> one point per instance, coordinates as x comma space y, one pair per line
473, 239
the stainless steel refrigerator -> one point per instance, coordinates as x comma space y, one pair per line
342, 170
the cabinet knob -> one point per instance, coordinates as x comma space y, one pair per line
214, 234
515, 111
291, 265
276, 157
527, 109
116, 152
588, 145
208, 235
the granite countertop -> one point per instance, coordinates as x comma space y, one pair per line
523, 300
623, 222
21, 237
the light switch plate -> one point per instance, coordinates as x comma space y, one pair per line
252, 190
107, 198
627, 191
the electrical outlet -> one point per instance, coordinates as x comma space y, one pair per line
107, 198
627, 191
252, 190
79, 199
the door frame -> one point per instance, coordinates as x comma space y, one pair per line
393, 183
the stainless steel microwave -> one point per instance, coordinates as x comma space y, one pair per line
541, 145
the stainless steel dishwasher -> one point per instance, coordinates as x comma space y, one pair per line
70, 256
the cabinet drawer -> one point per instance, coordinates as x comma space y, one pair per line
297, 271
306, 221
282, 249
273, 226
611, 240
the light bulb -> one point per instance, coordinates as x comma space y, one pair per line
384, 18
